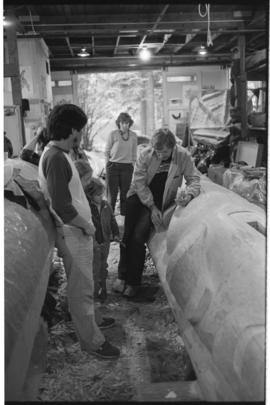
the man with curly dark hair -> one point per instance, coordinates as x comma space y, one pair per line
61, 185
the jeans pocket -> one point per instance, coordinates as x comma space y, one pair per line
109, 164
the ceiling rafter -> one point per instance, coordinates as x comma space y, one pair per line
161, 15
93, 45
115, 33
116, 44
69, 46
165, 40
189, 38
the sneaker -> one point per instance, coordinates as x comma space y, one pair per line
118, 286
107, 351
106, 323
130, 291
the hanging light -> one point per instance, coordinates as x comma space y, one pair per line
6, 23
202, 50
145, 54
83, 53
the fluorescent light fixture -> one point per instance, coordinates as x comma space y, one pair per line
202, 50
173, 79
64, 83
145, 54
128, 32
83, 53
164, 31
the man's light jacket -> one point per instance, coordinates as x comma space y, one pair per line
146, 166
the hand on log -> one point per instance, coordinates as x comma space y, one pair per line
183, 199
156, 217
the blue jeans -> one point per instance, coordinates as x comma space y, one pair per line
118, 177
76, 249
137, 229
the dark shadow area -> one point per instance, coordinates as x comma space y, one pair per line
168, 364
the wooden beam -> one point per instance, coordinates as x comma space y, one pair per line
154, 26
165, 40
103, 32
69, 46
230, 41
13, 59
93, 45
102, 68
116, 45
132, 17
134, 59
243, 85
10, 70
189, 37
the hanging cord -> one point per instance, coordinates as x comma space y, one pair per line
207, 13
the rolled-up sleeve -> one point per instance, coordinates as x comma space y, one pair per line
58, 174
191, 176
140, 181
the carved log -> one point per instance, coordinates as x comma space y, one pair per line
29, 243
211, 263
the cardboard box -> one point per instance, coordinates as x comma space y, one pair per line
249, 152
215, 173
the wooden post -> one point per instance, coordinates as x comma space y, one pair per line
165, 121
243, 86
143, 110
14, 74
143, 116
74, 77
150, 103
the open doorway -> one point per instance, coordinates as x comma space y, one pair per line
104, 95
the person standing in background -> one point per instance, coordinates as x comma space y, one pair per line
120, 156
105, 224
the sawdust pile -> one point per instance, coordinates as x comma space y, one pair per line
151, 348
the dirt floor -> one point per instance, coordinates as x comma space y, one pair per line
151, 349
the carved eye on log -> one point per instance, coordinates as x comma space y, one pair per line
176, 117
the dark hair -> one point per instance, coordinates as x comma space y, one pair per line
163, 137
95, 187
63, 118
83, 167
42, 137
124, 117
